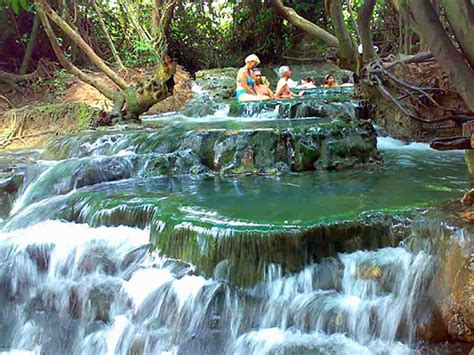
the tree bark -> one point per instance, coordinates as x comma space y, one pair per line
76, 38
305, 25
452, 62
460, 14
31, 46
107, 36
162, 11
348, 56
104, 89
363, 19
354, 23
11, 79
129, 12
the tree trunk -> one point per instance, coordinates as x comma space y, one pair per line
76, 38
129, 12
354, 23
348, 56
305, 25
363, 20
162, 12
31, 46
107, 36
104, 89
452, 62
137, 99
460, 14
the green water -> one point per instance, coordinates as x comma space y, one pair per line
406, 179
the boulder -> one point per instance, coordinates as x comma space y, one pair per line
219, 83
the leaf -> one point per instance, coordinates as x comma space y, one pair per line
24, 4
16, 6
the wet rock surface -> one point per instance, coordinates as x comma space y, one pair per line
242, 256
330, 143
453, 291
220, 83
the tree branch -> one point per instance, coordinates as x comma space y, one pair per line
77, 39
104, 89
363, 20
300, 22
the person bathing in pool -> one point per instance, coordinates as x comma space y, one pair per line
245, 88
283, 90
262, 90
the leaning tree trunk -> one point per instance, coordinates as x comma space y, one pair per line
77, 39
460, 15
349, 59
71, 68
451, 60
138, 99
305, 25
132, 100
363, 19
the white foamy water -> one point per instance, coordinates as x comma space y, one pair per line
389, 143
70, 288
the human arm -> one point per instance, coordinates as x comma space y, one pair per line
242, 81
281, 88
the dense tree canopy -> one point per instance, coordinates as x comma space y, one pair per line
114, 34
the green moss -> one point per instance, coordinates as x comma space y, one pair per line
79, 115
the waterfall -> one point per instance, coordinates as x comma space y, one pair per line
70, 288
197, 236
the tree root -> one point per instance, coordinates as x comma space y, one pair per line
4, 143
378, 75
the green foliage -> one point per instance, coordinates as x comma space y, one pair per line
141, 53
15, 5
55, 86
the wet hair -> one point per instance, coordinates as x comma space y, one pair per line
327, 77
345, 78
308, 80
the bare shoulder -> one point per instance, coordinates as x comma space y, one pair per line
242, 71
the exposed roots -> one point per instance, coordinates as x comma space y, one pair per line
34, 122
418, 102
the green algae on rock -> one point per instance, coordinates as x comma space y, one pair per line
220, 83
240, 252
330, 143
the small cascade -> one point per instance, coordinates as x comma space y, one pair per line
228, 235
69, 288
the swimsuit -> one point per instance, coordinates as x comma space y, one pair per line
240, 92
250, 83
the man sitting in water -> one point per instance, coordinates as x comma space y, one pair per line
346, 80
283, 90
262, 90
307, 83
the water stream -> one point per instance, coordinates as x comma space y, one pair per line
77, 275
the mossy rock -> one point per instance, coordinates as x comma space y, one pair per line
220, 83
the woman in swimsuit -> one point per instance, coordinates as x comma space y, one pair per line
245, 90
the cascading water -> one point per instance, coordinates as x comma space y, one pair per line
70, 288
75, 280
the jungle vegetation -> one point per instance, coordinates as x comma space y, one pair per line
109, 36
